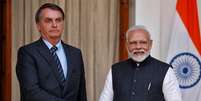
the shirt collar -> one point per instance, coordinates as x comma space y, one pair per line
147, 60
49, 45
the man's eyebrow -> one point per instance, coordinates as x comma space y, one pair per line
53, 18
48, 18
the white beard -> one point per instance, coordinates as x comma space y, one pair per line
139, 58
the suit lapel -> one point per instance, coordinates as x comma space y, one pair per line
44, 51
69, 64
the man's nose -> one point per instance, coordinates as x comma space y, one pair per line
54, 24
138, 45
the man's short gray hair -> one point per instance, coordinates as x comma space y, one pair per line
137, 27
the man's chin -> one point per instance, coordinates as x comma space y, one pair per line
55, 36
139, 58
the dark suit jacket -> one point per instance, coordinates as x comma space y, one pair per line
38, 76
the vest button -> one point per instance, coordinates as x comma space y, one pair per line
133, 93
134, 81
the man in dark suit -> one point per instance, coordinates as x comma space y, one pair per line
48, 69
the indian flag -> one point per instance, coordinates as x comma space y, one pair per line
185, 49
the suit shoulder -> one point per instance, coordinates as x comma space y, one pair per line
120, 64
71, 47
29, 46
161, 62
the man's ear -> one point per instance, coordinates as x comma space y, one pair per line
38, 26
150, 43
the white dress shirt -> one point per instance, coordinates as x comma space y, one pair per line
61, 55
170, 88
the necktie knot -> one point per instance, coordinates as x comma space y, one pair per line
53, 49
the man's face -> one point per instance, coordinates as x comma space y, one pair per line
51, 24
139, 45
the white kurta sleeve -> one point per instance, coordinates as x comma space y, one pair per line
171, 88
107, 93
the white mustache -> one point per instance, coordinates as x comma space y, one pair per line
138, 51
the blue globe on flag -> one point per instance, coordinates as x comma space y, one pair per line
187, 68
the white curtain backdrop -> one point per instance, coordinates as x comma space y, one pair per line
92, 25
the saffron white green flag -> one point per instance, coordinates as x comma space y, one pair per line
185, 49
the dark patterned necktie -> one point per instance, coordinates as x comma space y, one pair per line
59, 67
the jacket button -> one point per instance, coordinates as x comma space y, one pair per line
134, 81
133, 93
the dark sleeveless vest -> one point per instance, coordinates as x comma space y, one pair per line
139, 81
